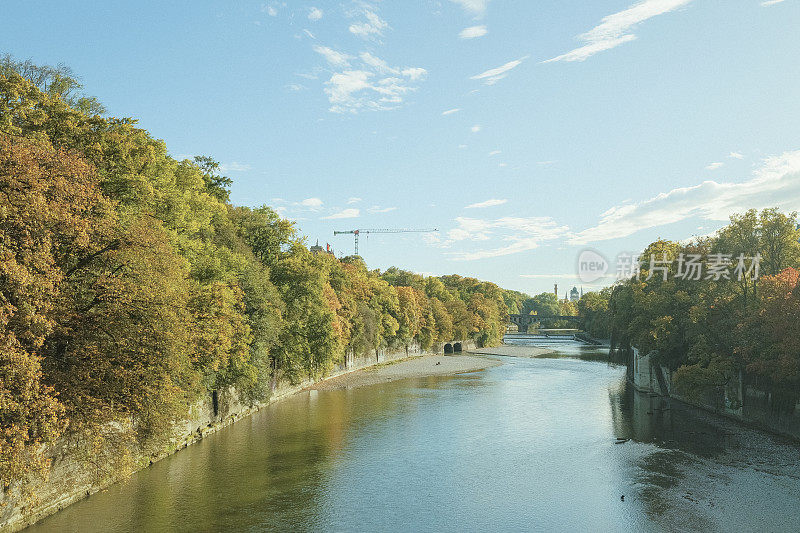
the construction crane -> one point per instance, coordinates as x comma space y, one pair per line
356, 232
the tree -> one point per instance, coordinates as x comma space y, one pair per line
218, 186
57, 81
594, 313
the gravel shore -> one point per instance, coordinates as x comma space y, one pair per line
513, 351
430, 365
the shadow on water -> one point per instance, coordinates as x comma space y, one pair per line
649, 418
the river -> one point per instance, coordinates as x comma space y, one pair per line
529, 445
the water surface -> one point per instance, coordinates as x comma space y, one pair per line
530, 445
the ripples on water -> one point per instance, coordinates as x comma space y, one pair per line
530, 445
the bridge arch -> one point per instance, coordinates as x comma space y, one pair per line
448, 348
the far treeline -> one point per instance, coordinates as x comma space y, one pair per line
711, 331
130, 286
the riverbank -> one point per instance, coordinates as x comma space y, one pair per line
71, 478
509, 350
414, 367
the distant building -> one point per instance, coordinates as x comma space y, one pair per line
574, 295
317, 249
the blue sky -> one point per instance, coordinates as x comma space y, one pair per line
525, 131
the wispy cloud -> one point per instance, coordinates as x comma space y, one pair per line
375, 209
548, 276
475, 129
715, 166
775, 184
451, 111
473, 32
614, 29
771, 3
736, 155
234, 166
354, 90
353, 200
493, 75
521, 234
372, 26
474, 7
494, 152
488, 203
310, 203
372, 85
344, 213
334, 58
314, 14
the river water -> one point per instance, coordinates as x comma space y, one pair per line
529, 445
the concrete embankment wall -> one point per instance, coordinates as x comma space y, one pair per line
72, 477
744, 399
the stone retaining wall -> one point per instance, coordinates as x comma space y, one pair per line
73, 478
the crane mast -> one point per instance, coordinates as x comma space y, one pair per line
356, 232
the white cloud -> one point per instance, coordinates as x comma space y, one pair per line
414, 73
295, 87
771, 3
377, 63
374, 25
715, 166
336, 59
462, 146
314, 14
371, 85
736, 155
345, 213
521, 234
353, 200
548, 276
475, 7
775, 184
271, 10
233, 166
355, 90
451, 111
614, 29
309, 34
475, 129
495, 152
494, 75
488, 203
378, 209
473, 31
311, 203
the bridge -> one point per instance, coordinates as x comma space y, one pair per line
523, 321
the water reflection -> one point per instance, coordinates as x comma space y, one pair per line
528, 445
